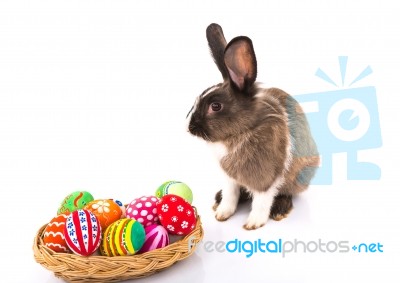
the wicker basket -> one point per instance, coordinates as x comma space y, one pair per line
75, 268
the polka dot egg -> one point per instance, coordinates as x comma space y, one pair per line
144, 210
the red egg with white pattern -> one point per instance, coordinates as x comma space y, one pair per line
82, 232
176, 215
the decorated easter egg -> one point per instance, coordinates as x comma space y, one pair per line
123, 237
144, 210
156, 238
53, 235
176, 215
175, 188
76, 200
82, 232
122, 206
106, 210
105, 241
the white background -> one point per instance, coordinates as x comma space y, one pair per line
94, 94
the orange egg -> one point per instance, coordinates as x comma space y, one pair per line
53, 236
106, 210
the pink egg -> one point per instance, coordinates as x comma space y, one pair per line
156, 238
144, 210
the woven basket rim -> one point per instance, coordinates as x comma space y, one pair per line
99, 268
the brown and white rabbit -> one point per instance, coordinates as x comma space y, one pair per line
261, 135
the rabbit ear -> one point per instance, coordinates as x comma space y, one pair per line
240, 60
217, 44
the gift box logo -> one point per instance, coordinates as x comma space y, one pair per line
344, 120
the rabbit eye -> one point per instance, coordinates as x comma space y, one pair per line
216, 106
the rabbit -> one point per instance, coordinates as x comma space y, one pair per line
261, 136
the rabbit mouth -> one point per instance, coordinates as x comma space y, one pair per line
199, 132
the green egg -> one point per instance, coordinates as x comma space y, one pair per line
76, 200
160, 191
175, 188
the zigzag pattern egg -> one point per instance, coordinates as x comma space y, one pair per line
82, 232
156, 238
53, 235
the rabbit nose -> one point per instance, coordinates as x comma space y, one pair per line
196, 118
194, 124
193, 129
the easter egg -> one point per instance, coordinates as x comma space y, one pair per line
156, 238
76, 200
144, 210
53, 234
106, 210
105, 241
122, 206
176, 215
175, 188
82, 232
123, 237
